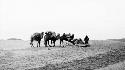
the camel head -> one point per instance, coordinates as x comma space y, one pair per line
58, 36
42, 33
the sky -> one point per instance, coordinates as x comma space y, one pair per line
99, 19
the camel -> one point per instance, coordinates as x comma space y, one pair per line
50, 36
36, 37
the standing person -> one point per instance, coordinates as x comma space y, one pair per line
86, 39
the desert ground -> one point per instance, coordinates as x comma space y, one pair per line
101, 55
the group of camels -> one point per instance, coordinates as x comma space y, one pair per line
52, 36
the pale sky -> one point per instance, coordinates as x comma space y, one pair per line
99, 19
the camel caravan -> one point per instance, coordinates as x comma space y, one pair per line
53, 37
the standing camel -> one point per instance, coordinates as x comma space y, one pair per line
36, 37
50, 36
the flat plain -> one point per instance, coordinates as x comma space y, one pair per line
101, 55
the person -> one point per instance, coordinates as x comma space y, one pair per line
86, 39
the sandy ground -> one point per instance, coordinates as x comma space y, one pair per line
117, 66
18, 55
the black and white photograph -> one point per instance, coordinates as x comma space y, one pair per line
62, 34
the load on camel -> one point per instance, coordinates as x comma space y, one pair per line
66, 37
80, 42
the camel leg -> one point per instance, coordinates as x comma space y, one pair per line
48, 42
31, 44
45, 43
53, 43
39, 43
61, 42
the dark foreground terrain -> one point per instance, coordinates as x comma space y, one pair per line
101, 55
89, 63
